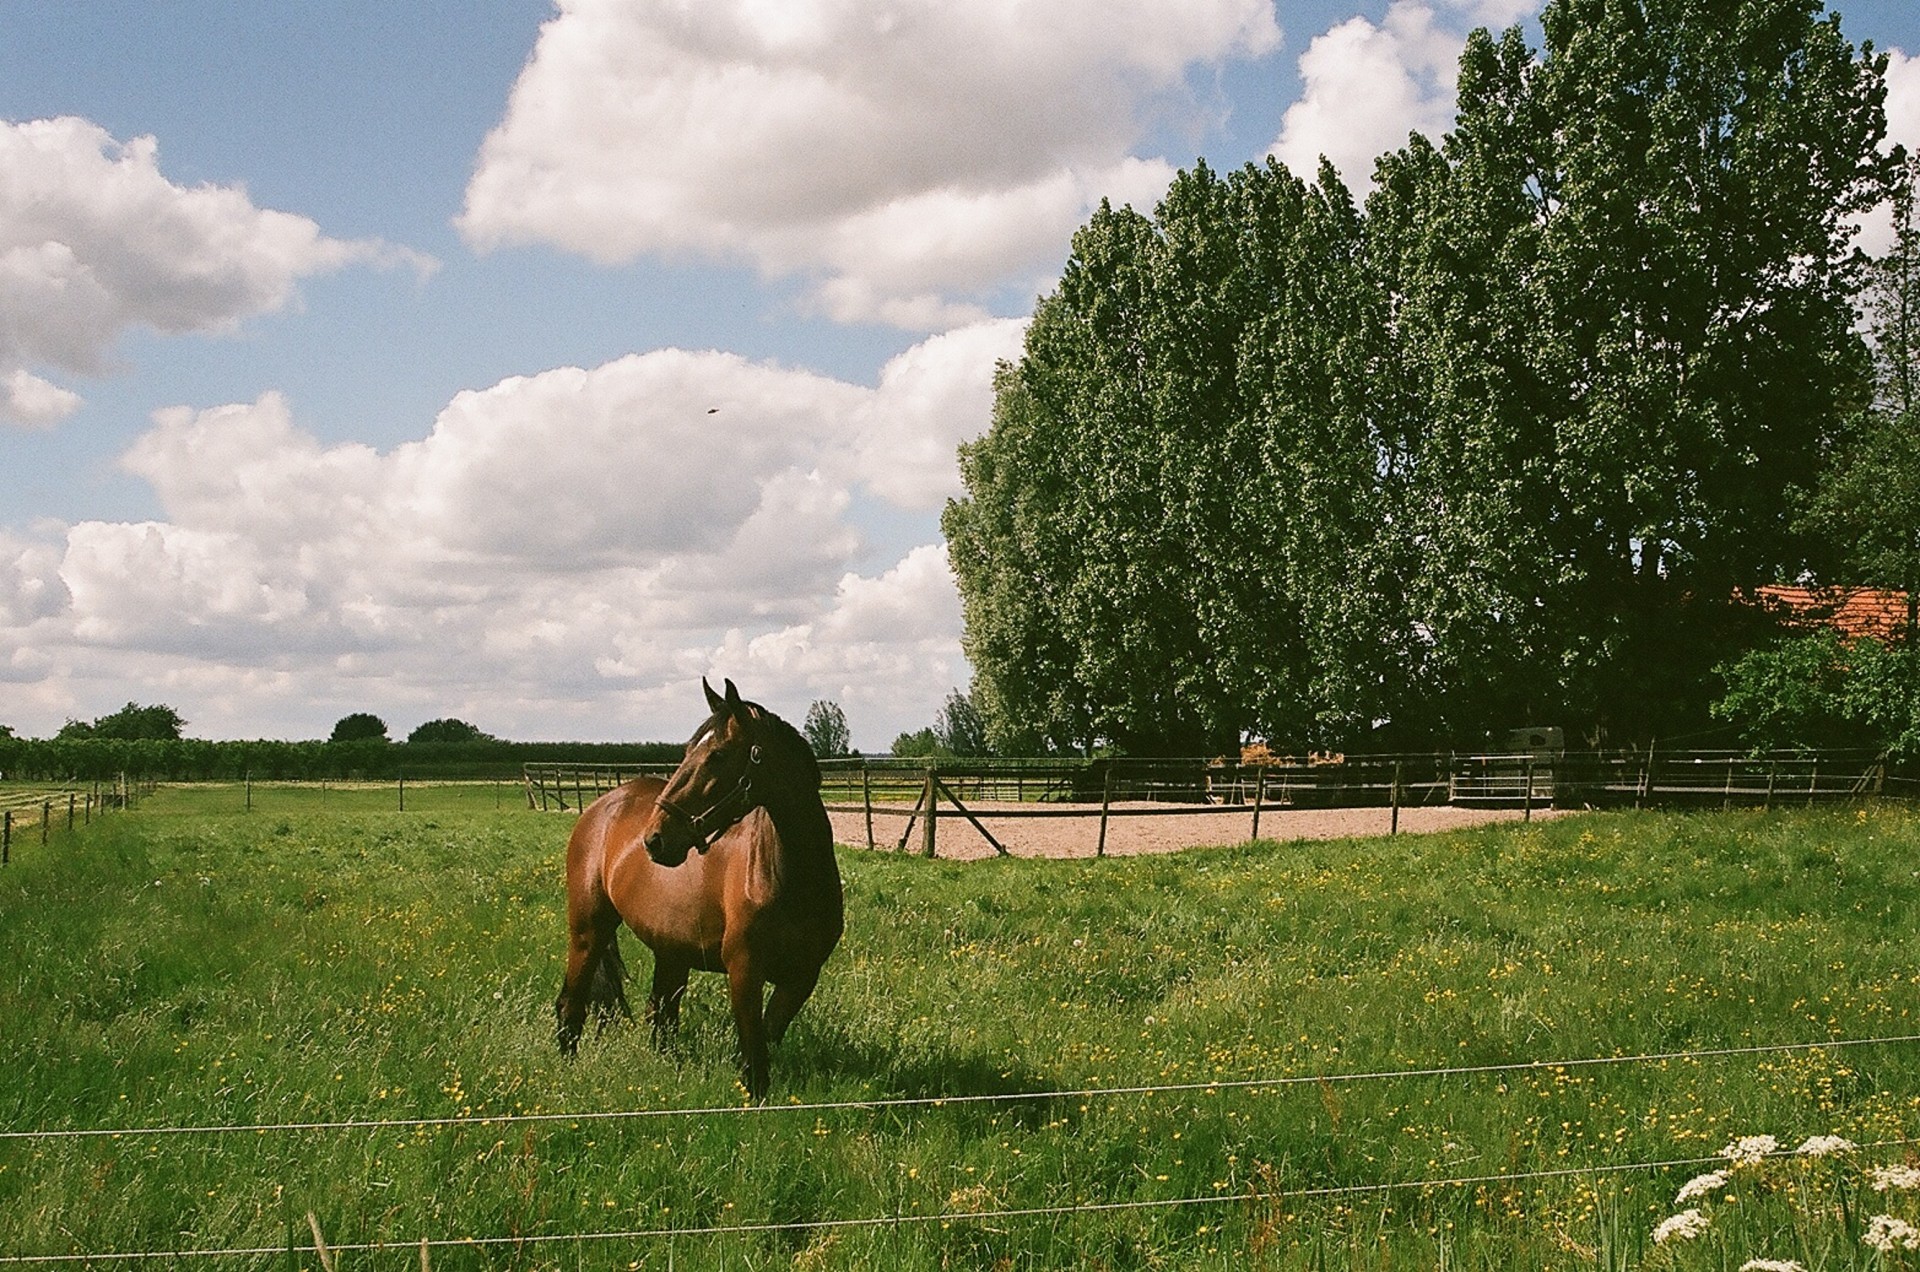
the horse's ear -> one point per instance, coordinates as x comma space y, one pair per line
715, 703
733, 699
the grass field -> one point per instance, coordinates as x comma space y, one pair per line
190, 964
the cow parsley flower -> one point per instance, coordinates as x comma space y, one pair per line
1825, 1146
1700, 1186
1772, 1265
1684, 1226
1887, 1234
1897, 1178
1750, 1150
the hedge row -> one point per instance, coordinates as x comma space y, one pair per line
192, 759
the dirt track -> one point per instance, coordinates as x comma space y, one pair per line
1079, 836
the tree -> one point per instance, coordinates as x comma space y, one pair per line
1157, 486
1499, 448
961, 728
361, 726
826, 730
920, 744
1625, 307
1867, 504
448, 730
131, 723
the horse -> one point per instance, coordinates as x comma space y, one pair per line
727, 866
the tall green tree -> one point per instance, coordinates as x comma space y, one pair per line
826, 730
1867, 505
1498, 449
1626, 302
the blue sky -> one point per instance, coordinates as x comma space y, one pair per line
526, 363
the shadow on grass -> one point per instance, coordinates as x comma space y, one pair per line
826, 1050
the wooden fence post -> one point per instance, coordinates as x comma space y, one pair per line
403, 790
1529, 781
6, 836
1106, 799
70, 798
46, 820
249, 781
928, 828
1259, 798
1393, 827
866, 798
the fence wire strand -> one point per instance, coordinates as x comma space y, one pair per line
945, 1101
1063, 1210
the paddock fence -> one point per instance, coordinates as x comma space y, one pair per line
292, 1246
900, 802
37, 810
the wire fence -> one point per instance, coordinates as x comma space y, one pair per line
325, 1250
944, 1217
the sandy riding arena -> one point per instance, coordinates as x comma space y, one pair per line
1079, 836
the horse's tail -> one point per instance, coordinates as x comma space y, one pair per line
608, 993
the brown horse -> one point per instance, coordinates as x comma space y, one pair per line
760, 900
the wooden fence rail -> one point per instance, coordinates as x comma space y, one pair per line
916, 793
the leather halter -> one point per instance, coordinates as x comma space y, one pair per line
725, 811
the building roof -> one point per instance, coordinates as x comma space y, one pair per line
1852, 611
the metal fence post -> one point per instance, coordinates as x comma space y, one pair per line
1393, 827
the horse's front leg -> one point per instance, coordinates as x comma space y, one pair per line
747, 991
663, 1001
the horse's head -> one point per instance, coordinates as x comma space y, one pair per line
713, 787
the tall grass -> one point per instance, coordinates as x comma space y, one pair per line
191, 963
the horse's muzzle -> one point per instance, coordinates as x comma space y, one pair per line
663, 849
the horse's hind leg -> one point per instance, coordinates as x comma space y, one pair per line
663, 1001
593, 973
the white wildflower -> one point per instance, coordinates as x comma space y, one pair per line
1887, 1234
1700, 1186
1684, 1226
1897, 1178
1825, 1146
1750, 1150
1772, 1265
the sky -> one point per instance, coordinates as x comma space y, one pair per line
526, 362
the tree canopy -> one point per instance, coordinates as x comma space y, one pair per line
448, 730
131, 723
826, 730
360, 726
1504, 446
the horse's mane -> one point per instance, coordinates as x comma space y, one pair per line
790, 739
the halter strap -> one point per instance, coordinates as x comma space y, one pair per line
725, 811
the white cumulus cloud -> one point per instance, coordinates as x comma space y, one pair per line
95, 240
902, 156
556, 547
1366, 87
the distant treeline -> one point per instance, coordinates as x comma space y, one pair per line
193, 759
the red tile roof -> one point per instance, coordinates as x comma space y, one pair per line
1852, 611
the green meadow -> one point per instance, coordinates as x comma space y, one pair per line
1324, 1025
